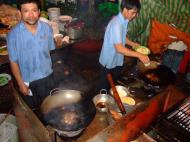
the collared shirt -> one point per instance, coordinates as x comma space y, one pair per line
116, 32
31, 51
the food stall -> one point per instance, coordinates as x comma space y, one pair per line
103, 127
78, 69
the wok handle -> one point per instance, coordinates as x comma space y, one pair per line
115, 94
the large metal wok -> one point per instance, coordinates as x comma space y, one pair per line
158, 77
68, 112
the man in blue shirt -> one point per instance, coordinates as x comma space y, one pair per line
113, 49
29, 44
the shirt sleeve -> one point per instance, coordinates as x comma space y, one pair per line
116, 33
51, 41
11, 46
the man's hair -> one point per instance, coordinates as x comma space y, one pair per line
131, 4
20, 2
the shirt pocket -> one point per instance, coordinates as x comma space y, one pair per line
43, 41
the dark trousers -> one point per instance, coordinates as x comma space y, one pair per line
40, 89
172, 59
103, 82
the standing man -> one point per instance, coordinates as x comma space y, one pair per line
114, 49
29, 44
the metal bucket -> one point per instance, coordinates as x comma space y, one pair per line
63, 20
74, 33
54, 13
103, 100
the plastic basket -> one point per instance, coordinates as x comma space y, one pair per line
8, 129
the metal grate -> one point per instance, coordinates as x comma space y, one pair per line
174, 125
181, 116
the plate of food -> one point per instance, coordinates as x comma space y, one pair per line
4, 79
128, 100
142, 49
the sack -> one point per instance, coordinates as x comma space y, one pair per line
162, 35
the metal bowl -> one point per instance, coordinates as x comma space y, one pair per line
102, 101
124, 95
122, 91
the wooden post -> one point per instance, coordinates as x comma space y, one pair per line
29, 126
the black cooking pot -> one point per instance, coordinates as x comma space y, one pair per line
161, 76
69, 114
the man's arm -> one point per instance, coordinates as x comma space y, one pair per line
16, 72
131, 43
128, 52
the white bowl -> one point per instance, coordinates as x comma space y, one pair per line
124, 95
122, 91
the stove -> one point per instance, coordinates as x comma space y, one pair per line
138, 88
174, 125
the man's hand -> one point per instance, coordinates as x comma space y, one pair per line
24, 89
143, 58
16, 72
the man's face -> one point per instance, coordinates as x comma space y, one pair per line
130, 14
30, 13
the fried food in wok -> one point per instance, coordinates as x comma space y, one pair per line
152, 77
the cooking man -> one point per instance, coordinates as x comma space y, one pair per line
113, 49
29, 44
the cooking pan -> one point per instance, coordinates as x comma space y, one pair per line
142, 67
58, 98
68, 112
161, 76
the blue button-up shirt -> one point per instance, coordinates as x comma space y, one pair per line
116, 32
31, 51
